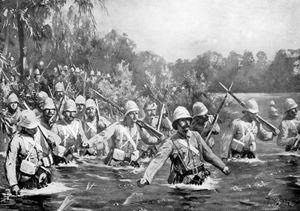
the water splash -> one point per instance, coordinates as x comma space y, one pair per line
246, 160
71, 164
52, 188
297, 154
208, 184
99, 177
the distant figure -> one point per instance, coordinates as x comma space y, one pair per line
289, 135
273, 111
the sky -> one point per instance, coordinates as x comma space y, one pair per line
186, 28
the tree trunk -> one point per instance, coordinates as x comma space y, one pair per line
21, 44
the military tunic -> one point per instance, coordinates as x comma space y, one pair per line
93, 127
183, 145
243, 131
289, 129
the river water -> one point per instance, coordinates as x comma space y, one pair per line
270, 182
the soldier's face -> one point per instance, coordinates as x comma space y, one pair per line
69, 116
13, 105
31, 132
183, 125
80, 107
151, 112
133, 116
49, 113
201, 119
292, 113
59, 94
41, 105
91, 112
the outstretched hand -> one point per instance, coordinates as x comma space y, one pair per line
15, 190
142, 182
226, 170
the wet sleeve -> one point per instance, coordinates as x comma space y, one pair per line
10, 163
208, 154
283, 139
158, 161
262, 134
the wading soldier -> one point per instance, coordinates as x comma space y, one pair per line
290, 127
126, 139
47, 118
9, 118
202, 123
27, 165
153, 120
80, 105
240, 140
41, 97
273, 111
69, 130
187, 151
94, 123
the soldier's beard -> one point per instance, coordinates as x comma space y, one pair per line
69, 119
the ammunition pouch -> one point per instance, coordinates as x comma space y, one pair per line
28, 168
47, 161
237, 145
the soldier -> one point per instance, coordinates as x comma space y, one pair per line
290, 127
187, 151
273, 111
240, 140
59, 97
94, 123
202, 123
126, 139
49, 110
80, 104
70, 130
27, 165
152, 119
10, 117
39, 82
41, 97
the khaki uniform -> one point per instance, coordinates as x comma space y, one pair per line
289, 129
204, 129
92, 128
245, 132
166, 124
9, 127
183, 145
72, 135
121, 137
20, 147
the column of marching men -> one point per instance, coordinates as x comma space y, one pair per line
60, 129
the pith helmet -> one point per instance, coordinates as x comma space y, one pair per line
12, 98
92, 73
80, 100
130, 106
251, 106
59, 87
28, 119
49, 104
272, 103
150, 106
70, 105
290, 104
90, 103
36, 71
199, 109
180, 113
41, 96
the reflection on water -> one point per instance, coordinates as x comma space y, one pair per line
269, 182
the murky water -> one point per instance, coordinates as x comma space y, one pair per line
270, 182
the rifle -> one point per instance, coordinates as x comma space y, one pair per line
160, 116
259, 118
142, 124
216, 116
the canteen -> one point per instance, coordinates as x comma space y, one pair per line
28, 167
237, 145
118, 154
